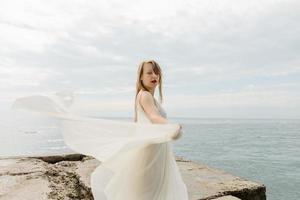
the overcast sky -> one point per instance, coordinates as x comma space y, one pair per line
220, 58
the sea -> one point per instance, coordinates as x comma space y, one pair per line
261, 150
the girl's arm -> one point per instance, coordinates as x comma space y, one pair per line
147, 102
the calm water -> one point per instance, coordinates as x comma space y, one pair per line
265, 151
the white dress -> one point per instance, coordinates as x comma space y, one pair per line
137, 161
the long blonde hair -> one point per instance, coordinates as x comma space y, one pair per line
139, 83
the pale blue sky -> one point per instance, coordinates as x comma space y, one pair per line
220, 58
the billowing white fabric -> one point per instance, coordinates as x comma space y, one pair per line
137, 161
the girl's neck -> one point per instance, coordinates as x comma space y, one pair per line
151, 91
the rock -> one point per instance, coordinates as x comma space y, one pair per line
204, 182
64, 177
23, 179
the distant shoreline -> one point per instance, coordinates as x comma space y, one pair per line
205, 118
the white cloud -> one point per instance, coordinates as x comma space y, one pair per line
213, 52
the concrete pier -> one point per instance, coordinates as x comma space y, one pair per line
67, 177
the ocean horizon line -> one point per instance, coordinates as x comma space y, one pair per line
204, 118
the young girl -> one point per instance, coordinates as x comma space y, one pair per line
159, 173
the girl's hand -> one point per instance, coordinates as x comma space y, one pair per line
177, 134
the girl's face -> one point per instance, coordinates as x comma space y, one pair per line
149, 78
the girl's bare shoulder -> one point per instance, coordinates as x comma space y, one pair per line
145, 95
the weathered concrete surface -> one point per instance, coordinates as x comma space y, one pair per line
67, 177
204, 182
